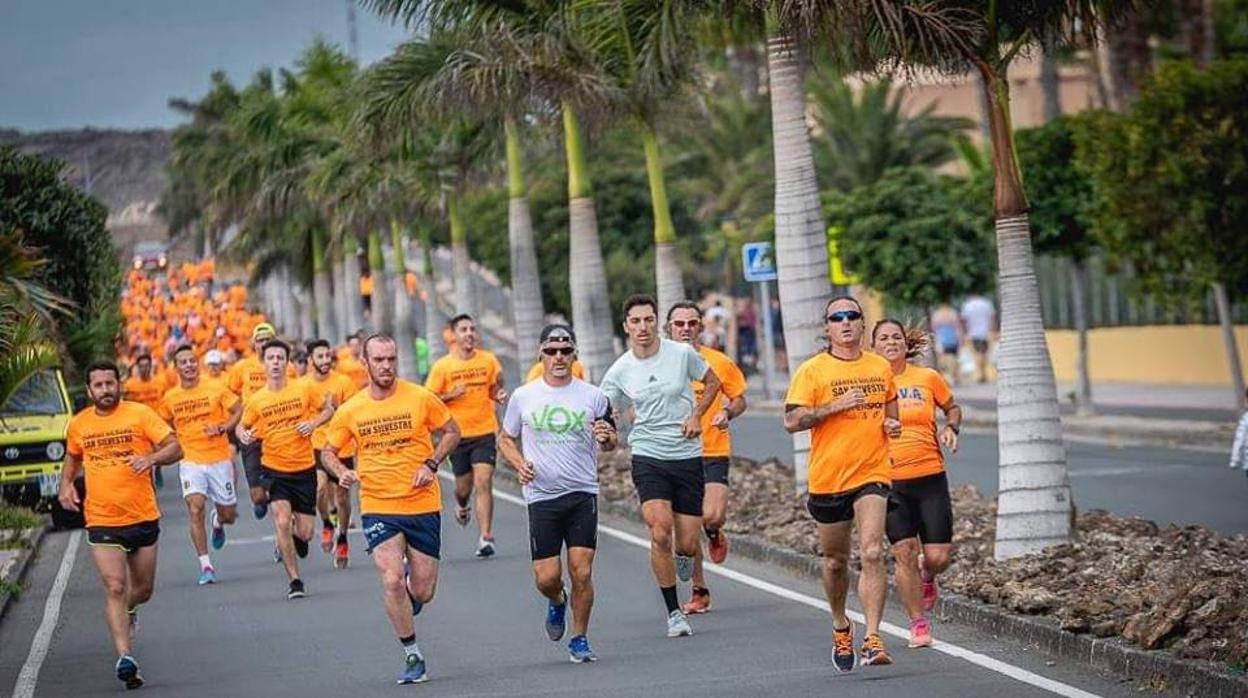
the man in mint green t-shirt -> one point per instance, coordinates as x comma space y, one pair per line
654, 377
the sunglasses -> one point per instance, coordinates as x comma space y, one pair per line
561, 351
843, 315
681, 324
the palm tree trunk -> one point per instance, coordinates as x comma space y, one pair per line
1083, 387
591, 306
342, 320
307, 316
801, 239
322, 295
667, 276
404, 336
294, 310
351, 272
526, 285
1227, 324
382, 319
433, 323
465, 296
1034, 507
1050, 82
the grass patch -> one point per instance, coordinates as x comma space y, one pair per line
13, 589
19, 518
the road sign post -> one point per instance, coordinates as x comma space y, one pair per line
758, 262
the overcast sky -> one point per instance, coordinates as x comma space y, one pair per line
116, 63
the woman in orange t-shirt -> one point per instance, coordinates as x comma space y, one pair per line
920, 509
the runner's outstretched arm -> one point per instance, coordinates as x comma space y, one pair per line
448, 439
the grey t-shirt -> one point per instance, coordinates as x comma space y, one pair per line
661, 395
555, 426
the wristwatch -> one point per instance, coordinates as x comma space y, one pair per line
431, 464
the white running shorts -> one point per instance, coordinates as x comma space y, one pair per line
213, 480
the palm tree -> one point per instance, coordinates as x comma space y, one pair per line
27, 309
1034, 506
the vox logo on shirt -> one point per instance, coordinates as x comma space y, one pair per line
914, 394
559, 420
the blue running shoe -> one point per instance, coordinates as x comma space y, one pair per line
207, 576
128, 672
579, 651
413, 670
260, 510
556, 618
218, 532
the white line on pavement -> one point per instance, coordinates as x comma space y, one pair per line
29, 675
1004, 668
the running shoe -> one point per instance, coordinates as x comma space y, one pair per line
930, 591
556, 618
873, 651
717, 549
207, 576
920, 633
128, 672
413, 670
327, 537
296, 589
684, 568
301, 546
579, 651
462, 514
485, 548
260, 510
843, 657
678, 625
700, 602
218, 532
342, 553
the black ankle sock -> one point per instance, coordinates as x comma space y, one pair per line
701, 590
669, 598
711, 533
326, 523
405, 641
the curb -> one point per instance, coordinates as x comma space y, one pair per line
1113, 655
18, 571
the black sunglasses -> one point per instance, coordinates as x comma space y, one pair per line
562, 351
842, 315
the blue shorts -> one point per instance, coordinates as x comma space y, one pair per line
422, 531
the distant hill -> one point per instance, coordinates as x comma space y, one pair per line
124, 170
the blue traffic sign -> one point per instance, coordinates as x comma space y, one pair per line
759, 261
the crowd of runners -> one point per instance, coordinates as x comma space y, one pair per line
207, 385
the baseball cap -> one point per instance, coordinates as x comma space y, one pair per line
263, 328
557, 333
214, 357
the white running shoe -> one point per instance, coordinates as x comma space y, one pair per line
678, 625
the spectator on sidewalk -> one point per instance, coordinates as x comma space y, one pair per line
747, 335
1239, 449
979, 319
948, 331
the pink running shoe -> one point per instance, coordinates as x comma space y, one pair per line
920, 633
930, 592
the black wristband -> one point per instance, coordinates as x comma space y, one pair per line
955, 429
431, 464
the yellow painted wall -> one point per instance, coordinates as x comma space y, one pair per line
1185, 354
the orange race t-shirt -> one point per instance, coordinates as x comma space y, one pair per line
246, 377
916, 453
474, 410
192, 409
848, 449
717, 443
272, 417
353, 368
538, 370
392, 439
336, 385
116, 495
147, 392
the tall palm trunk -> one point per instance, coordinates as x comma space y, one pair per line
294, 309
1083, 386
671, 288
801, 240
307, 314
351, 283
403, 333
465, 294
322, 294
1050, 82
1034, 507
526, 285
382, 319
433, 319
1227, 323
591, 306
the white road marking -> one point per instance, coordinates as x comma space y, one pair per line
29, 675
249, 541
1003, 668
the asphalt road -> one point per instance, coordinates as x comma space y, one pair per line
1159, 484
482, 635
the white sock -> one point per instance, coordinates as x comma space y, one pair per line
412, 649
205, 562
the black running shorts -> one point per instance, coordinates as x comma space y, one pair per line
570, 519
680, 482
715, 469
348, 462
129, 538
298, 488
838, 508
921, 507
470, 451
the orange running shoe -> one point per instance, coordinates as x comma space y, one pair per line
327, 538
843, 657
342, 553
717, 549
700, 602
873, 651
